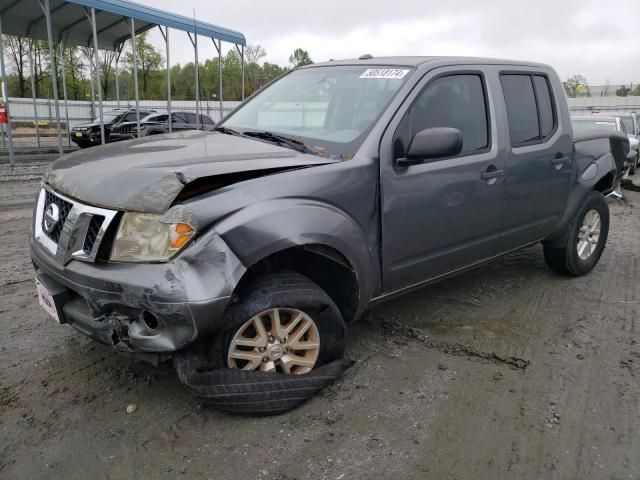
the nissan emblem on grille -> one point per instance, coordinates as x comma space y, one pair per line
51, 217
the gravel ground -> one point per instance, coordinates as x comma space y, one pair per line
507, 371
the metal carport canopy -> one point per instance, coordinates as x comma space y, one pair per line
102, 25
69, 22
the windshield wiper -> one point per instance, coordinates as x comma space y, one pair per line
228, 131
292, 143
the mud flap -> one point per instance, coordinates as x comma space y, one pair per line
250, 392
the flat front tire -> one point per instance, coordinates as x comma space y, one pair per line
285, 342
585, 239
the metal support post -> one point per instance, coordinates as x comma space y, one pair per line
242, 58
135, 70
92, 20
118, 53
194, 42
54, 77
165, 35
3, 94
33, 93
64, 91
241, 53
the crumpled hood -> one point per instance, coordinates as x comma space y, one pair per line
146, 175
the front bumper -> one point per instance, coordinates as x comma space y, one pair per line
113, 303
117, 137
84, 137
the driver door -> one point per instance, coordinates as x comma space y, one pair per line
443, 214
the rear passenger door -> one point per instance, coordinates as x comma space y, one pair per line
192, 121
178, 121
443, 214
539, 160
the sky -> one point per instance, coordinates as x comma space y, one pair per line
594, 38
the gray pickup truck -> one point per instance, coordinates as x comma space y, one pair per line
242, 253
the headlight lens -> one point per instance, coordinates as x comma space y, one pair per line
142, 237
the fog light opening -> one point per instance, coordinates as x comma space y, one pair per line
150, 321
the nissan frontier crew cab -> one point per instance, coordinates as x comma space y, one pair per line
242, 253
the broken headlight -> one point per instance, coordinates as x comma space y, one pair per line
142, 237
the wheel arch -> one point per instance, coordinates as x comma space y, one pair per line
600, 176
325, 266
314, 239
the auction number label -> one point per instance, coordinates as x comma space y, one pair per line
393, 73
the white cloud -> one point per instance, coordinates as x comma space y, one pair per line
597, 39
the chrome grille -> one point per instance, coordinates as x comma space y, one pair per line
64, 209
92, 233
79, 229
123, 129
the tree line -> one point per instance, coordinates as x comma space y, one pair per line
152, 75
577, 86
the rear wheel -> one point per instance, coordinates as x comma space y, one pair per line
585, 239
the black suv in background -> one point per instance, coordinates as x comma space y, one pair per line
158, 123
88, 134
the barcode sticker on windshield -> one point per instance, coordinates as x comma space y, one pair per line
395, 73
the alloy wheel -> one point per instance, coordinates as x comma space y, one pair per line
276, 340
589, 234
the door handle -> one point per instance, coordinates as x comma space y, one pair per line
491, 173
559, 160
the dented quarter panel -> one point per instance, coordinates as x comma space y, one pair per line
593, 160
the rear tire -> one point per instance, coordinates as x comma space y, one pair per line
585, 239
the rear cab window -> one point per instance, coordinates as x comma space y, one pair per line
531, 110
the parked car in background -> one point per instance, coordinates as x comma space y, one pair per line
612, 123
243, 253
158, 123
88, 134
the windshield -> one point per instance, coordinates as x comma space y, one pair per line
109, 117
585, 126
155, 117
327, 108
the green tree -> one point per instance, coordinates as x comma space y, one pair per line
576, 86
636, 91
149, 60
623, 91
17, 49
299, 58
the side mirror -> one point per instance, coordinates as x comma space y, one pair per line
431, 143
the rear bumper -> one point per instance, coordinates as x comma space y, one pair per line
116, 304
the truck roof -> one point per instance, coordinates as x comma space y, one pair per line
410, 61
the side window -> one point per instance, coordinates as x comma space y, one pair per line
522, 112
206, 120
456, 101
545, 105
132, 117
530, 109
623, 128
178, 118
191, 118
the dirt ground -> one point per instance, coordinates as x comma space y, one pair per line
508, 371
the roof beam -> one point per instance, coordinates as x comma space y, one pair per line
124, 39
111, 25
43, 16
9, 7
